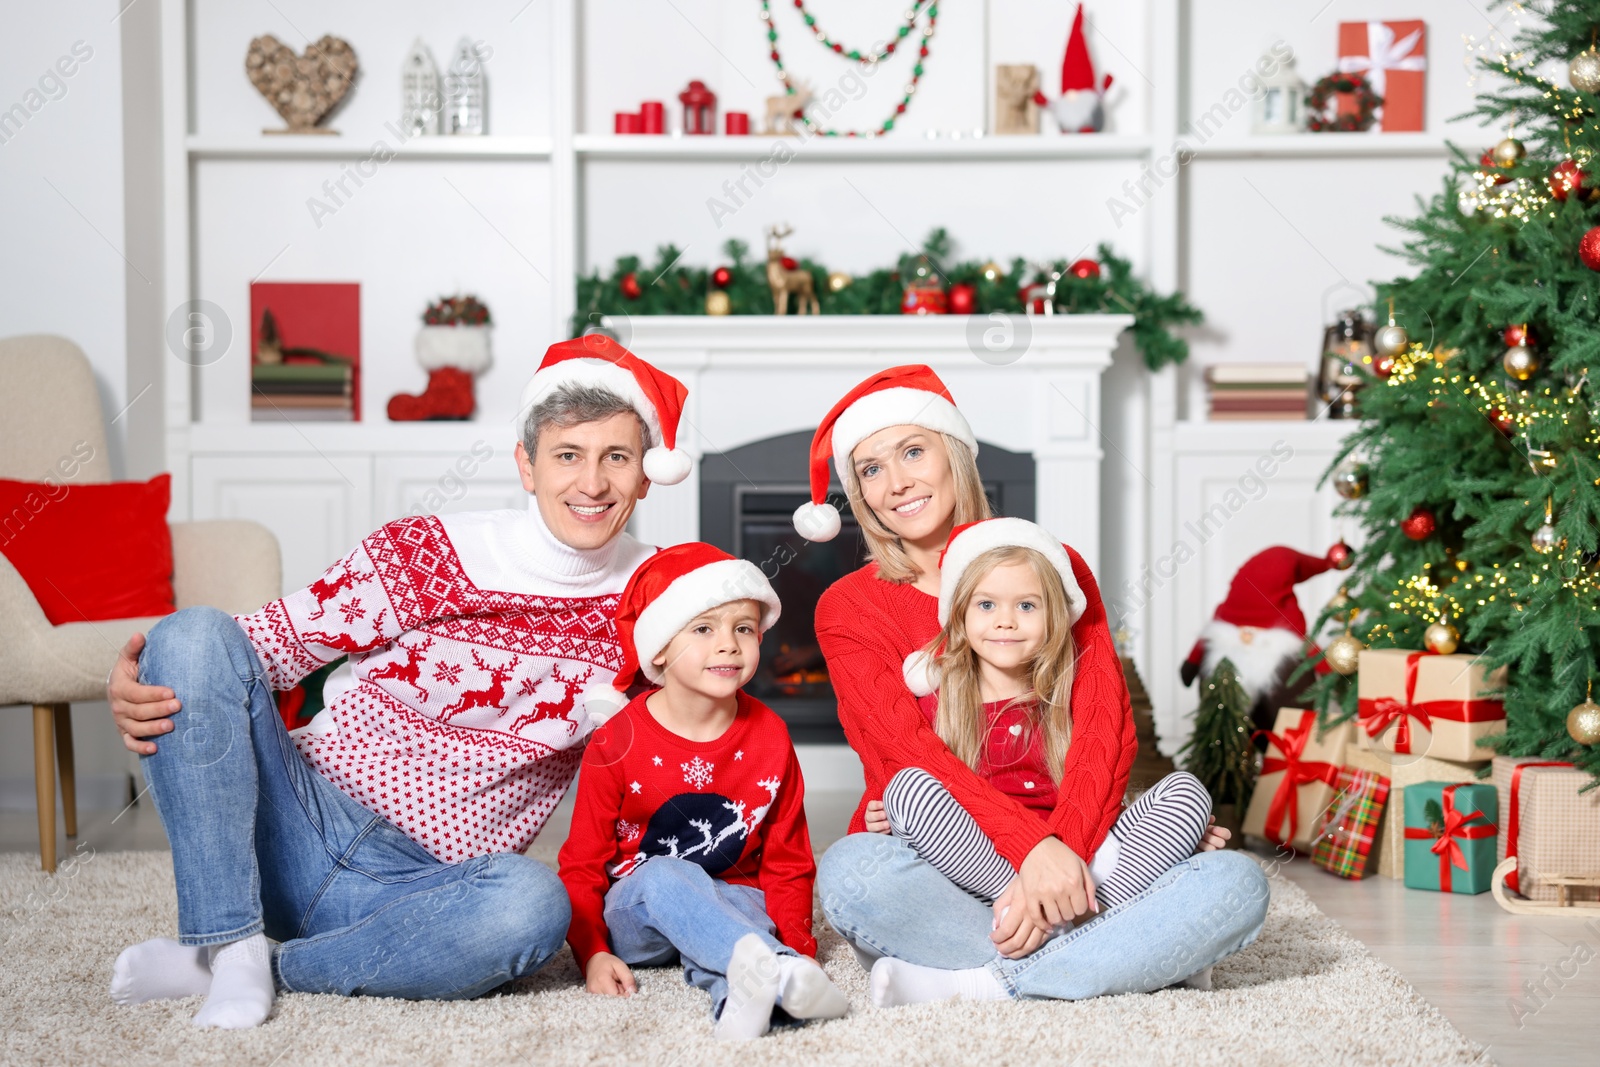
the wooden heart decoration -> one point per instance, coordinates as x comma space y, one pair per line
304, 89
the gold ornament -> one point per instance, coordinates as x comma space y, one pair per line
838, 280
1392, 340
1509, 153
1520, 362
718, 303
992, 271
1583, 721
1340, 601
1343, 653
1584, 71
1350, 480
1441, 637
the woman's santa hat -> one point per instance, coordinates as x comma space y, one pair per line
669, 590
901, 396
1259, 623
595, 359
966, 544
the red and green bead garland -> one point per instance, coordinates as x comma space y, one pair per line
904, 31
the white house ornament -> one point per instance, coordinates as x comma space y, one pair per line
464, 89
420, 101
1281, 105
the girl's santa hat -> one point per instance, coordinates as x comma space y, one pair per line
667, 591
901, 396
658, 397
1259, 623
966, 544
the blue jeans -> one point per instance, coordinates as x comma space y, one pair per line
887, 901
263, 843
671, 909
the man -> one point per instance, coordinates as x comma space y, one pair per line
380, 845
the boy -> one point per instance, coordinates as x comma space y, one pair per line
689, 836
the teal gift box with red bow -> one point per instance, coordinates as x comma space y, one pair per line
1450, 833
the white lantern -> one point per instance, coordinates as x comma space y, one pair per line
1281, 106
419, 92
464, 89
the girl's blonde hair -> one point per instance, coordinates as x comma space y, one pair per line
883, 544
960, 722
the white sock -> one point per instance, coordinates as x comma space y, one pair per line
805, 992
1198, 980
159, 969
752, 991
896, 982
241, 985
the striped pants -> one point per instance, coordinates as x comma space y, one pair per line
1153, 833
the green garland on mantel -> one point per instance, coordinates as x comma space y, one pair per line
671, 288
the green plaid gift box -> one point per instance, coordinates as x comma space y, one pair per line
1350, 823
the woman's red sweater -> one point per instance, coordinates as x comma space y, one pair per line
867, 626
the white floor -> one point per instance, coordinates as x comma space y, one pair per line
1478, 965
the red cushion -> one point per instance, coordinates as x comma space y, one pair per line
89, 551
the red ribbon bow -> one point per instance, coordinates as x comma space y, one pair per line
1296, 772
1377, 714
1456, 829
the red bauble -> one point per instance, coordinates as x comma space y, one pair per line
1487, 160
1518, 335
1085, 268
963, 299
1342, 556
1567, 178
1419, 525
1383, 366
630, 286
1503, 421
721, 277
1589, 249
789, 262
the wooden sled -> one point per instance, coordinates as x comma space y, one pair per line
1565, 905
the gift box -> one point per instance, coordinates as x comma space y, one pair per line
1550, 827
1421, 704
1297, 778
1388, 858
1393, 56
1344, 841
1450, 836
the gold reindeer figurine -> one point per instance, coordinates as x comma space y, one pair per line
784, 280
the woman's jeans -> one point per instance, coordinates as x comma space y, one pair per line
887, 901
263, 843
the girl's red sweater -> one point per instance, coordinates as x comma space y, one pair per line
867, 626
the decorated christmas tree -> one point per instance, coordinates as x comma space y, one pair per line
1475, 474
1220, 752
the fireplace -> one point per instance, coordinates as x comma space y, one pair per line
747, 498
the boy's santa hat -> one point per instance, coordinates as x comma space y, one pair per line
670, 589
968, 542
901, 396
658, 397
1260, 602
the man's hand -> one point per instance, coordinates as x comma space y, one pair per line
608, 975
1215, 837
140, 711
877, 821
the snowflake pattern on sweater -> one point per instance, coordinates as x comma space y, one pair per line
462, 719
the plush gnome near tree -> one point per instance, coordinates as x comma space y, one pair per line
453, 347
1260, 627
1081, 106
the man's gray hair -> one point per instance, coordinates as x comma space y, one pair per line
572, 403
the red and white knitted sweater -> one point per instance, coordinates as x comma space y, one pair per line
473, 640
866, 628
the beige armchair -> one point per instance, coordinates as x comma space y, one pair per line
51, 409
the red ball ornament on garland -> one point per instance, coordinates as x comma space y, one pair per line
963, 298
1517, 335
1342, 556
790, 263
721, 277
1567, 178
1488, 160
1589, 249
1419, 525
1085, 268
1383, 366
630, 286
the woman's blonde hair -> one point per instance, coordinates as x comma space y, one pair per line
883, 544
960, 722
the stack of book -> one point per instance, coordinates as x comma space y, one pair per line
323, 392
1241, 391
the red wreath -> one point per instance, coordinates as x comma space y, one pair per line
1367, 103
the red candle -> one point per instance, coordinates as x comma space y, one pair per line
627, 122
653, 115
737, 124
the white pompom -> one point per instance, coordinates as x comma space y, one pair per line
817, 522
918, 671
667, 466
602, 702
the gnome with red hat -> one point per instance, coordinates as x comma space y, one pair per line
1260, 628
1080, 107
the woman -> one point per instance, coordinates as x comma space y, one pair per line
907, 459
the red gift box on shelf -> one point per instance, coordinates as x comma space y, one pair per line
1393, 56
1344, 840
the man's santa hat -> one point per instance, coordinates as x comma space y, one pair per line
901, 396
595, 359
668, 591
968, 542
1259, 624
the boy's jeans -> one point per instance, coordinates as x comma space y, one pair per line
263, 843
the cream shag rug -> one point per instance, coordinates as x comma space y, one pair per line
1304, 993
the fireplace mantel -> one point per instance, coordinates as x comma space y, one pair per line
752, 377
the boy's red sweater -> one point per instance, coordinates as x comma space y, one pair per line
733, 805
867, 626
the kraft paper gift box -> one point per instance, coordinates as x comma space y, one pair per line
1546, 823
1388, 856
1344, 841
1421, 704
1392, 55
1297, 778
1450, 836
